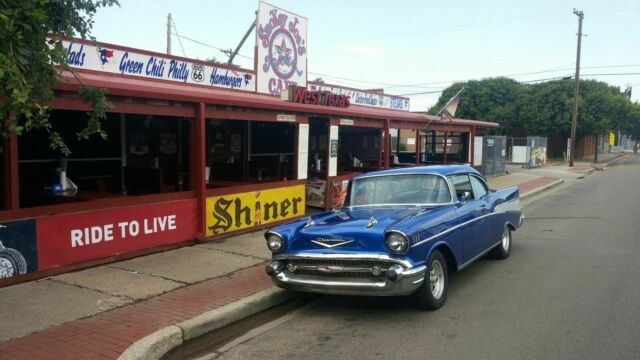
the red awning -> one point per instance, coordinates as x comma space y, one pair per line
122, 85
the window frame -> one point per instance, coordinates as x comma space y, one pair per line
482, 182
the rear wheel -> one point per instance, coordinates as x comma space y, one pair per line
503, 250
433, 292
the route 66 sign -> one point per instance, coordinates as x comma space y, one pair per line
197, 72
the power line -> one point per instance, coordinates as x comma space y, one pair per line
178, 36
427, 85
208, 45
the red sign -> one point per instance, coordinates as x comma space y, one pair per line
299, 94
74, 238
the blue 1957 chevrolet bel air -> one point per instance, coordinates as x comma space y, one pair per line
400, 232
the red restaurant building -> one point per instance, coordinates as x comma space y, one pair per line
190, 160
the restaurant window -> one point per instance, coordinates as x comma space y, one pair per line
141, 155
271, 151
240, 152
406, 146
432, 147
358, 148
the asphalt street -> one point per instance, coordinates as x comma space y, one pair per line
570, 290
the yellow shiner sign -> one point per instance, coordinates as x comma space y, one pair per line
245, 210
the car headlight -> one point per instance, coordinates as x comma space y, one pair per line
397, 242
275, 243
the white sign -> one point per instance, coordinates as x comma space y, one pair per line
477, 151
155, 66
365, 98
303, 150
281, 38
286, 117
346, 122
333, 161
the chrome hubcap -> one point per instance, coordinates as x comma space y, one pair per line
505, 240
436, 279
6, 268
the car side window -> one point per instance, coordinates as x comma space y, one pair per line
461, 184
479, 188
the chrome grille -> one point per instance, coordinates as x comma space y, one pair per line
342, 268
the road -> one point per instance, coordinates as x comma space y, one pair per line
570, 290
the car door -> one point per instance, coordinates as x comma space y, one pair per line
471, 216
482, 195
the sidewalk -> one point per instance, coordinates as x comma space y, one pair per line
99, 312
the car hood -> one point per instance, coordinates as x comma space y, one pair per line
360, 228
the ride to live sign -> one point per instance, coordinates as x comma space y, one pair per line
74, 238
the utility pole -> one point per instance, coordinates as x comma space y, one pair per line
169, 21
574, 116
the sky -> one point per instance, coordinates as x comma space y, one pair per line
405, 47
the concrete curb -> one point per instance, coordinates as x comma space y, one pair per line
604, 165
541, 189
156, 345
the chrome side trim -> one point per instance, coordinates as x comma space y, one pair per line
451, 229
376, 257
507, 206
478, 256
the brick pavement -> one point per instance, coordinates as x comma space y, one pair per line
531, 185
107, 335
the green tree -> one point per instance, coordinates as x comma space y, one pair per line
495, 99
544, 107
30, 62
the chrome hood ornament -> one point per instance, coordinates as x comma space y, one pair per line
372, 222
309, 223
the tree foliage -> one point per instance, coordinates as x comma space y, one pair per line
545, 107
30, 61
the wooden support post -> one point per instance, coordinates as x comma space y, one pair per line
381, 142
444, 150
417, 147
387, 143
198, 170
472, 145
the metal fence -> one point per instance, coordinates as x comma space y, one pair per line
530, 151
494, 155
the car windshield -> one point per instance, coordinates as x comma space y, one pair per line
399, 189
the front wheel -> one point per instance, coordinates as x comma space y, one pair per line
433, 292
503, 250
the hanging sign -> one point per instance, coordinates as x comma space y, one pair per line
281, 39
104, 58
301, 95
286, 117
364, 98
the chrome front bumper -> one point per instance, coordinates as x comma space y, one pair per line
409, 281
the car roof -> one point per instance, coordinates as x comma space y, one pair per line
445, 170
